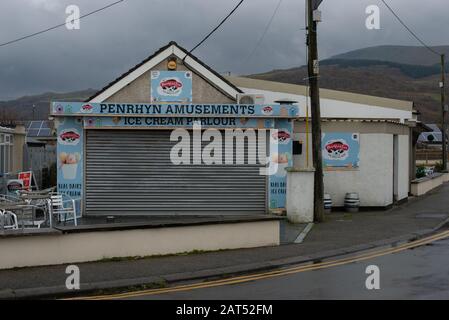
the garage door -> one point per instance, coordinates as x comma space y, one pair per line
129, 172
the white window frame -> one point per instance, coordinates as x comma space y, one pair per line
6, 153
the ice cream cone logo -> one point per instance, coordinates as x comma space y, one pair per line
336, 150
267, 110
281, 136
170, 86
87, 108
69, 137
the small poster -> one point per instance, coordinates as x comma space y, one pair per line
26, 179
171, 86
340, 150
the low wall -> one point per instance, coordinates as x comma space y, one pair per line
423, 185
50, 249
300, 195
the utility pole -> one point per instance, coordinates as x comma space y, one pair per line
444, 111
313, 73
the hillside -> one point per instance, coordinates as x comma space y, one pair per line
22, 108
399, 54
416, 83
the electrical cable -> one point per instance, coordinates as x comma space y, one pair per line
215, 29
410, 30
59, 25
267, 27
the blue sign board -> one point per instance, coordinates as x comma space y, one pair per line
70, 158
173, 110
281, 157
171, 86
340, 150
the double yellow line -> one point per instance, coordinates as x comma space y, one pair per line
276, 273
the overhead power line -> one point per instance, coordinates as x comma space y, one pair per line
410, 30
216, 28
267, 27
59, 25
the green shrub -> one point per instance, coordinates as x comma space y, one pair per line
420, 172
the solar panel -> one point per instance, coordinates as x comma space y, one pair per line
44, 132
35, 125
33, 132
41, 128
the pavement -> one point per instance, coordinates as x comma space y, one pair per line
341, 233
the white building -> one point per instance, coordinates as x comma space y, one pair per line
385, 135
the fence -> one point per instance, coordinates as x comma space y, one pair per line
429, 155
42, 161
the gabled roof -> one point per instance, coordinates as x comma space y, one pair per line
171, 49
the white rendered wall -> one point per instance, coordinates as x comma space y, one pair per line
374, 178
403, 167
300, 196
38, 250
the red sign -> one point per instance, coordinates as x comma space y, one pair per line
26, 178
171, 83
282, 136
337, 146
69, 137
87, 108
268, 110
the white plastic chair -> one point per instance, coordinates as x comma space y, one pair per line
58, 209
9, 220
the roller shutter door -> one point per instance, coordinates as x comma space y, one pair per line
129, 172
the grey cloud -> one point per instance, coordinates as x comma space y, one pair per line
114, 40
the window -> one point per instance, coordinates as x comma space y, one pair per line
6, 153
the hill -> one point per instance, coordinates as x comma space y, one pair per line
417, 83
399, 54
22, 108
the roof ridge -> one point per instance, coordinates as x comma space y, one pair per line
158, 51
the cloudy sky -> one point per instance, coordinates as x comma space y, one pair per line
110, 42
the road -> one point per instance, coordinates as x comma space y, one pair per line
411, 271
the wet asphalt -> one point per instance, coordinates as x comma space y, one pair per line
419, 273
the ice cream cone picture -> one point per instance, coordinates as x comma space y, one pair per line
69, 164
282, 162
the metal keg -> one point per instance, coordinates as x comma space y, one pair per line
352, 202
327, 203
